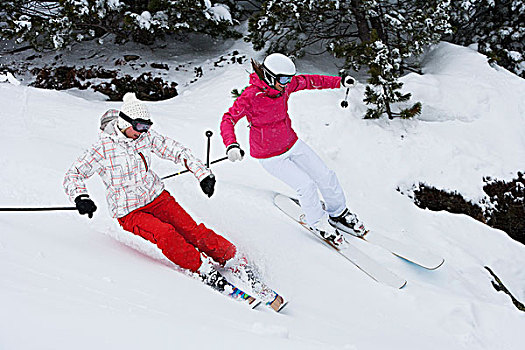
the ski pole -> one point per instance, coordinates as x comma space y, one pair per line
38, 209
344, 103
187, 170
209, 133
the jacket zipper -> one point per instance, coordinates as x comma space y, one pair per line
144, 160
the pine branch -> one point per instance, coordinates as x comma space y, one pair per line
44, 10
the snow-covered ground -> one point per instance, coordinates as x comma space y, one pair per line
68, 282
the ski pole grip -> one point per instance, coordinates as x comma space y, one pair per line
208, 134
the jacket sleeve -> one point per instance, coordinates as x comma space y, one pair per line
83, 168
241, 108
169, 149
314, 82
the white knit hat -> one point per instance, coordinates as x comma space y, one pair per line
133, 108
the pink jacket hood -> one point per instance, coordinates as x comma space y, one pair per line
266, 109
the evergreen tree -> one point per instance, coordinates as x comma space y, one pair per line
384, 87
294, 26
400, 31
498, 28
53, 24
37, 22
379, 34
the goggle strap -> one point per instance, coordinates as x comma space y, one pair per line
135, 122
125, 116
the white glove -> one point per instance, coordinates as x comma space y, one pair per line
234, 152
347, 81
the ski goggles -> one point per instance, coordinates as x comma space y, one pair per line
140, 125
284, 79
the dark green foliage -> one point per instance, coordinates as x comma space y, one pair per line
378, 34
507, 206
294, 26
39, 23
497, 26
145, 86
428, 197
504, 209
384, 88
54, 24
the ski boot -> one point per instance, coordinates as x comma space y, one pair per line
328, 233
247, 273
210, 276
213, 278
349, 223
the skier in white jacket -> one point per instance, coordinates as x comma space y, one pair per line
137, 198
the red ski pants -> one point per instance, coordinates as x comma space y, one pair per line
165, 223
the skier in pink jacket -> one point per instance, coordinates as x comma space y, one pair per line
276, 145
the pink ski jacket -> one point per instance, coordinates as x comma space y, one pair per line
271, 131
124, 166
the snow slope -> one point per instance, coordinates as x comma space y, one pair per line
67, 282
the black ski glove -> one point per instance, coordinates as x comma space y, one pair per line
208, 185
85, 205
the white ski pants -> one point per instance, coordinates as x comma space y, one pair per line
304, 171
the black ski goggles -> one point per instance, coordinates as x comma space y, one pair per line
140, 125
277, 78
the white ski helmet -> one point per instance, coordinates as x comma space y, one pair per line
278, 68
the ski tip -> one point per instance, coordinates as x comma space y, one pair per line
283, 197
283, 305
437, 267
403, 286
434, 267
278, 303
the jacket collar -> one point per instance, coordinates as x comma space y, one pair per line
262, 85
113, 132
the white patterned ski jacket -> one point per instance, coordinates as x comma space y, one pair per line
124, 166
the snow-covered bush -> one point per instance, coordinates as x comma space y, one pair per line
507, 205
503, 208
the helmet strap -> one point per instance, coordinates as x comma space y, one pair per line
264, 74
269, 77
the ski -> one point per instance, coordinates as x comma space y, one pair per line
277, 304
407, 252
362, 261
235, 293
248, 275
400, 249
